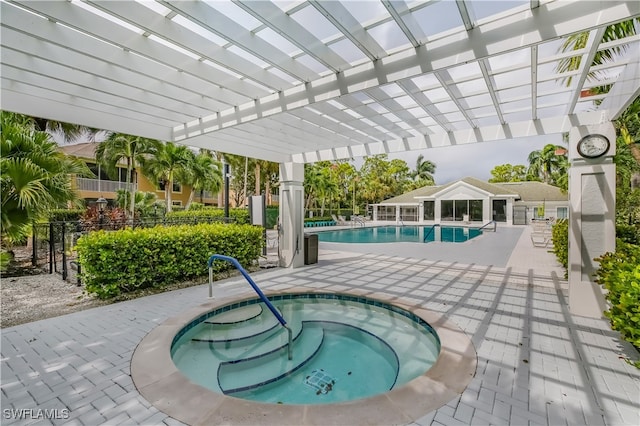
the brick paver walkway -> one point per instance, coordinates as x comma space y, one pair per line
537, 364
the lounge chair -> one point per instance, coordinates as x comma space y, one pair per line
339, 220
540, 234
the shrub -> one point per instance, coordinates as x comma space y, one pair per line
628, 233
318, 219
619, 273
560, 236
66, 215
240, 216
128, 260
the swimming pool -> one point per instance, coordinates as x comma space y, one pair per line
339, 341
400, 234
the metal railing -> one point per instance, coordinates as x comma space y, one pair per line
495, 225
99, 185
433, 227
259, 292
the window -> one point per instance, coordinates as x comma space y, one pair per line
562, 212
475, 210
386, 212
429, 210
409, 213
446, 210
500, 210
461, 209
177, 187
456, 210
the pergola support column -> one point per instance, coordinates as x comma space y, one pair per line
291, 230
592, 200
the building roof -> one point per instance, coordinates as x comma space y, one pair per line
535, 191
525, 191
85, 151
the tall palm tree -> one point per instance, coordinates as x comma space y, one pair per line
424, 170
204, 174
119, 147
166, 162
544, 163
35, 175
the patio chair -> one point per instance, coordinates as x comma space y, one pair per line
339, 220
540, 234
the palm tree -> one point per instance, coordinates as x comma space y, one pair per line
204, 174
165, 163
612, 33
579, 41
424, 171
35, 175
119, 147
545, 162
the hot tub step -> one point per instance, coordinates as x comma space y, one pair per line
234, 316
250, 373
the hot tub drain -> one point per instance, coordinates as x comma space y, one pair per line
320, 381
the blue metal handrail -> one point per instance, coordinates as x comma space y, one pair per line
433, 227
243, 271
495, 224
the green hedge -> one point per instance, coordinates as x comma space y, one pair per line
318, 219
560, 236
66, 215
129, 260
240, 216
619, 273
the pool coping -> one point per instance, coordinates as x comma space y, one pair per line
158, 380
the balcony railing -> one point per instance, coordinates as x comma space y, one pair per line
96, 185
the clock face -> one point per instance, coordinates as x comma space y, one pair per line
593, 146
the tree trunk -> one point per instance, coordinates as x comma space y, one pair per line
190, 200
267, 190
133, 188
257, 191
167, 194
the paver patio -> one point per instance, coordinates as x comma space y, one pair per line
537, 364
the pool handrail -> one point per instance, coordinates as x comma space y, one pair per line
255, 287
433, 227
495, 225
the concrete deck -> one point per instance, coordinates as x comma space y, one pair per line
537, 364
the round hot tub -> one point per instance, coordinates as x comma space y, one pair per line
354, 359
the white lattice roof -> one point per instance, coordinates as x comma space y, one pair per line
309, 80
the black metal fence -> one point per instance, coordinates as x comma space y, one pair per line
53, 244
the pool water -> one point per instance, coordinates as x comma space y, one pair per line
344, 348
396, 234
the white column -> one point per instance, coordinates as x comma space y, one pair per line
592, 190
291, 215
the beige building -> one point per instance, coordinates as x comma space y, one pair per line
90, 189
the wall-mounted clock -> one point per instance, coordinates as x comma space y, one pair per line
593, 146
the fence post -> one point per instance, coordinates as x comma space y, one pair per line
51, 248
64, 252
34, 251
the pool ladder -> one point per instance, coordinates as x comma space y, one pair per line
433, 227
259, 292
491, 222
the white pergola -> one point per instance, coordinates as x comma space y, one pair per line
304, 81
301, 81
